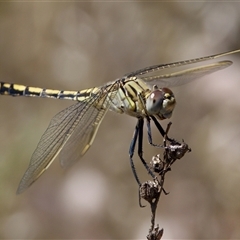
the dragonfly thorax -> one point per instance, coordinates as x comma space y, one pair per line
160, 103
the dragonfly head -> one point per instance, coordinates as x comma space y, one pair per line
160, 102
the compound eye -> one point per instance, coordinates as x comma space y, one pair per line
154, 101
160, 102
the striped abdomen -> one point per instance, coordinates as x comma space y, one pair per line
21, 90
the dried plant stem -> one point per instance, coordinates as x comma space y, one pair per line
151, 190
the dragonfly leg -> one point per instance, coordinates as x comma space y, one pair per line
138, 134
131, 153
140, 145
149, 132
160, 129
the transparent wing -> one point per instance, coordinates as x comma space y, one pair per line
82, 137
185, 76
176, 78
83, 117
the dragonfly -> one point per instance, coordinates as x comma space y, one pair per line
143, 94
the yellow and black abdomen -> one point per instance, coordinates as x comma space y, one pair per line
22, 90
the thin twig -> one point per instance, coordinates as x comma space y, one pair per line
151, 190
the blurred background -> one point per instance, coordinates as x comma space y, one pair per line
73, 46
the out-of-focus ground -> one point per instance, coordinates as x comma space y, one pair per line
73, 46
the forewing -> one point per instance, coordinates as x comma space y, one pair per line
72, 131
84, 133
175, 78
161, 67
184, 76
52, 141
